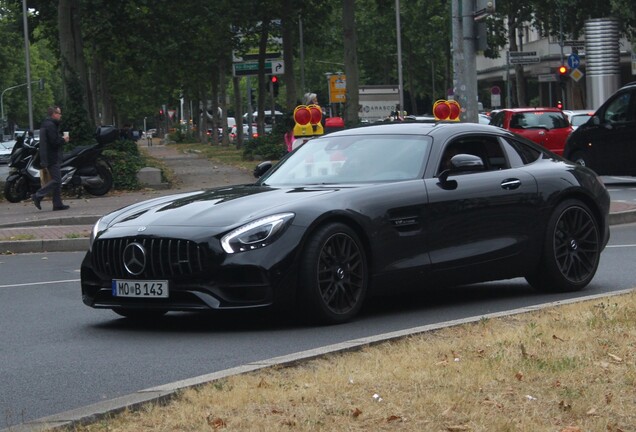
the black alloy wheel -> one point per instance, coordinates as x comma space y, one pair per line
572, 249
333, 279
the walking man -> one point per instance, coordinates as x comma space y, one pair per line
51, 157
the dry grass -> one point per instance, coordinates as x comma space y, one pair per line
570, 368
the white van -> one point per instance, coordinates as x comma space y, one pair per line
268, 117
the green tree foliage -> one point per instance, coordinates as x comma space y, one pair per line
142, 54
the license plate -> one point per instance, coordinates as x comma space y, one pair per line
140, 288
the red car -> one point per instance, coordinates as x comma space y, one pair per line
546, 126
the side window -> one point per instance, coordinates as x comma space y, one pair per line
618, 110
526, 154
487, 148
497, 119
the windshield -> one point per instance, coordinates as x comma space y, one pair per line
353, 159
539, 119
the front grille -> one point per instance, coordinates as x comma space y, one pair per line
165, 258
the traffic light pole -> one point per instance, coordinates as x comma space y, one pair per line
464, 59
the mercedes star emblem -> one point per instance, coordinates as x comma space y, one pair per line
134, 258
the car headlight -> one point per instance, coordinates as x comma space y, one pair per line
256, 234
99, 226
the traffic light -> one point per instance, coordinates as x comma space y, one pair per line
274, 80
559, 105
562, 72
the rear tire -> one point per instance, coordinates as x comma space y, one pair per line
104, 172
571, 250
16, 189
333, 275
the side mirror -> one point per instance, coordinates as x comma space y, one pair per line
262, 168
462, 163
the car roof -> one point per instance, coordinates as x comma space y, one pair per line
531, 109
415, 128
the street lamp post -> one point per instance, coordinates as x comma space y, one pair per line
2, 118
399, 56
28, 63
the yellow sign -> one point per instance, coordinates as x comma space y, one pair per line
576, 74
337, 89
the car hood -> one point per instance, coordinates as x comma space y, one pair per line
221, 207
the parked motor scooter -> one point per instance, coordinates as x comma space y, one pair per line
83, 167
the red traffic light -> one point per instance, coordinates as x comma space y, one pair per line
559, 105
274, 79
562, 70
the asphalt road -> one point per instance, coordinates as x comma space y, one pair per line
57, 354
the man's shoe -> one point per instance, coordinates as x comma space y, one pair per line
62, 207
36, 202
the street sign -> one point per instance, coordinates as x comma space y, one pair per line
574, 43
522, 53
251, 68
525, 60
573, 61
547, 78
337, 89
576, 74
523, 57
278, 67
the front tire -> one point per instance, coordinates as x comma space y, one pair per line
104, 172
571, 251
16, 189
333, 275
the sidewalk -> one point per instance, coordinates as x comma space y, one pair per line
24, 229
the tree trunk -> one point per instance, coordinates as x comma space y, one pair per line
520, 79
352, 105
288, 56
222, 97
410, 79
262, 50
72, 48
239, 109
214, 135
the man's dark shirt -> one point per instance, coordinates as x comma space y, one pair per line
51, 143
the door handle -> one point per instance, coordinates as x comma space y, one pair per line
510, 184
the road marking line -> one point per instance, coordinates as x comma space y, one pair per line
39, 283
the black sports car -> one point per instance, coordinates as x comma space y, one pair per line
350, 214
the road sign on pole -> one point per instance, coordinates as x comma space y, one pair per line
272, 67
573, 61
523, 57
